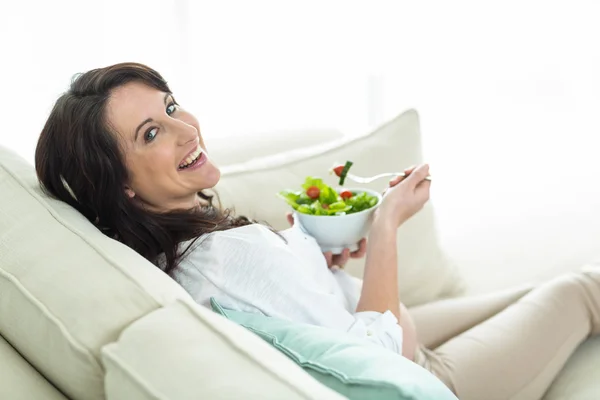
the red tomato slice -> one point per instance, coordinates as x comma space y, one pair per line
313, 192
346, 194
338, 170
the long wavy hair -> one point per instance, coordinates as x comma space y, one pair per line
79, 161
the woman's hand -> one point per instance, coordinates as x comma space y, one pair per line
404, 198
339, 260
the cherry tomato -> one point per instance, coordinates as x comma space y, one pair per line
313, 192
346, 194
338, 170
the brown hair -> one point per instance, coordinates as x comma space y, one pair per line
78, 160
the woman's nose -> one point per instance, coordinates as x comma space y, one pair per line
185, 133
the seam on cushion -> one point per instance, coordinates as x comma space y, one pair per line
31, 368
140, 382
226, 337
317, 366
75, 343
307, 153
51, 316
79, 234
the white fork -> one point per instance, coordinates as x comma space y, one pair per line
360, 179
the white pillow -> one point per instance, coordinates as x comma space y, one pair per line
249, 147
425, 273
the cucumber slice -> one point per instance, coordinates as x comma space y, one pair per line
345, 172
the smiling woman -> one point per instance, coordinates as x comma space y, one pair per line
161, 149
119, 149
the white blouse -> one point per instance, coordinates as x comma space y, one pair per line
252, 269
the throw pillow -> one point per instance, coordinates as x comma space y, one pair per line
353, 367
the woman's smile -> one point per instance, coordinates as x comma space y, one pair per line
193, 161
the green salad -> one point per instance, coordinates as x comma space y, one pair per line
317, 198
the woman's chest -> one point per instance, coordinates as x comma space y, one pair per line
314, 264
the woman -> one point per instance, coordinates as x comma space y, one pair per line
119, 149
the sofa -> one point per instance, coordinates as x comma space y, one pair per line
84, 317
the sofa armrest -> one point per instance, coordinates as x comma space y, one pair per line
185, 351
19, 380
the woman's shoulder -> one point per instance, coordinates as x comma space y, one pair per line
246, 232
251, 235
231, 252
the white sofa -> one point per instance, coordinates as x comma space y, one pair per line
83, 317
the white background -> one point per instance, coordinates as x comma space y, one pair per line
508, 92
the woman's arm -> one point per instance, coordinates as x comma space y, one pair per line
380, 281
380, 285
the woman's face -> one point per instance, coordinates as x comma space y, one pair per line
164, 151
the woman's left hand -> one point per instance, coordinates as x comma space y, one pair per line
339, 260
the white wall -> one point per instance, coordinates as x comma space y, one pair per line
508, 92
44, 43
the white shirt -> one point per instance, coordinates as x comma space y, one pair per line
252, 269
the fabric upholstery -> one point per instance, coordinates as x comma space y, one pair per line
183, 351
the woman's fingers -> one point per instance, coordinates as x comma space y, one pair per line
409, 170
329, 258
418, 175
397, 179
340, 259
362, 249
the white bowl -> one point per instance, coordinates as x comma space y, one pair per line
336, 232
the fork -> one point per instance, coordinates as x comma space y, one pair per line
360, 179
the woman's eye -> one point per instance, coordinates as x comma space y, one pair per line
171, 108
150, 134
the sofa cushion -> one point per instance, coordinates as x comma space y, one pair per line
425, 272
68, 290
579, 379
353, 367
202, 357
19, 380
250, 147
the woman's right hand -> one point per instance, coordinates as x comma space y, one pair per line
404, 198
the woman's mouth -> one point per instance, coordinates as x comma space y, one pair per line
194, 160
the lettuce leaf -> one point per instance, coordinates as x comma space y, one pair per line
334, 204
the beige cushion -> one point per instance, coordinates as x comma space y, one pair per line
579, 379
183, 351
19, 380
425, 272
242, 148
67, 290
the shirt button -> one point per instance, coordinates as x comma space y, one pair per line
369, 332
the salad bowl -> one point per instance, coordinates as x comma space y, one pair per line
337, 218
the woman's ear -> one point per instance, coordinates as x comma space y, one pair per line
129, 192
